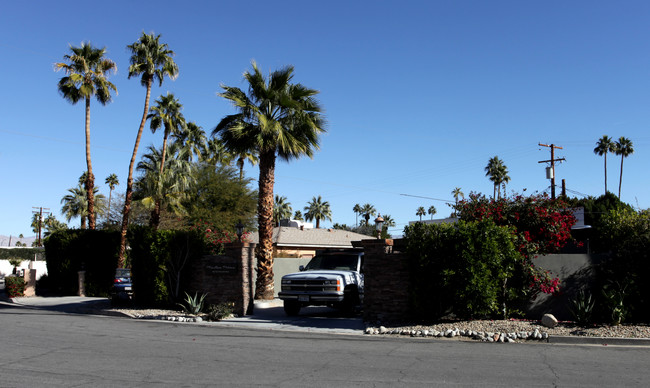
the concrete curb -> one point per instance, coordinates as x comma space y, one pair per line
603, 341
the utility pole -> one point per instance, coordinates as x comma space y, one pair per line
552, 161
40, 221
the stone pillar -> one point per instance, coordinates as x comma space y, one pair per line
386, 277
82, 283
244, 252
29, 276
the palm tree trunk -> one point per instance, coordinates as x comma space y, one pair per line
164, 151
620, 181
108, 213
264, 251
90, 179
129, 181
605, 173
154, 222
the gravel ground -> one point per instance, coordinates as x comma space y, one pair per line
487, 326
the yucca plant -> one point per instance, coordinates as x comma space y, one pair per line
582, 308
193, 305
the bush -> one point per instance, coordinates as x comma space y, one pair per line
73, 250
219, 311
15, 286
193, 304
461, 269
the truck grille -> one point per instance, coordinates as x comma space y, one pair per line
309, 285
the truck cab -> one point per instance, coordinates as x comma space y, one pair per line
331, 278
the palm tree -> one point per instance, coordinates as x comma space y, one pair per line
605, 145
432, 210
498, 173
625, 148
281, 209
215, 153
420, 212
276, 119
318, 210
192, 141
75, 204
111, 181
166, 113
298, 216
169, 188
457, 193
357, 210
87, 77
389, 222
151, 60
368, 211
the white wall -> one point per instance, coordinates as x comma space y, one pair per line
39, 266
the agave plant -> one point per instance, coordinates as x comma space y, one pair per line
582, 308
193, 304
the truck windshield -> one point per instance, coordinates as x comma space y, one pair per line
333, 262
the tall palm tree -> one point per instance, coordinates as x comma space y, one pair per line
625, 148
605, 145
389, 222
86, 77
151, 60
298, 216
281, 209
432, 210
276, 119
166, 113
242, 157
357, 210
497, 171
169, 188
111, 181
368, 211
420, 212
457, 193
318, 210
192, 140
215, 153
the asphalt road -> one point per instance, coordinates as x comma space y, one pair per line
50, 348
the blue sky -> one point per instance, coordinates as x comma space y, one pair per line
418, 95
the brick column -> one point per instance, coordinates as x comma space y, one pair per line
245, 253
386, 276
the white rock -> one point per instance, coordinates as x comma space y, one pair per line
198, 319
425, 333
369, 330
544, 335
549, 320
382, 330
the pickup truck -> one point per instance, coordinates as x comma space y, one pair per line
332, 279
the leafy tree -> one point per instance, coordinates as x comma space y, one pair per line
219, 198
151, 60
318, 210
281, 209
276, 119
368, 211
111, 181
604, 146
625, 148
420, 212
86, 77
432, 210
166, 113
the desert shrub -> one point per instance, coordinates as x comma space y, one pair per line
217, 312
193, 304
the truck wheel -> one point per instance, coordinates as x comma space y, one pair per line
291, 307
350, 301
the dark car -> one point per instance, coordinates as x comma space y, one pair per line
122, 287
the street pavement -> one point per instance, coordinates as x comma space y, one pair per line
269, 315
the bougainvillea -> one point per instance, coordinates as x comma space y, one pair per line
541, 226
215, 239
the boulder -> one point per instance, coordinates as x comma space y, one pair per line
549, 320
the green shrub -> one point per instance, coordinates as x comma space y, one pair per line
219, 311
15, 286
461, 269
